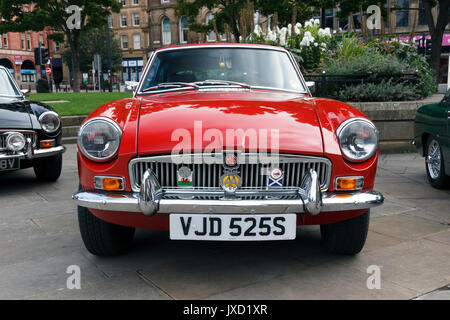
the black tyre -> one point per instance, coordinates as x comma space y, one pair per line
102, 238
434, 164
346, 237
48, 169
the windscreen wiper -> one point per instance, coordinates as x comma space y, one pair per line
170, 85
222, 83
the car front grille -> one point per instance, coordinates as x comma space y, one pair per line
207, 176
4, 135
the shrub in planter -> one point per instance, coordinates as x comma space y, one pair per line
383, 91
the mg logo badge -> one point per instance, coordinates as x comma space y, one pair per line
230, 160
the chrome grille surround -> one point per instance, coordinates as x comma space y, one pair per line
27, 133
206, 176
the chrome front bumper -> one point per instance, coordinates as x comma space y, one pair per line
152, 199
32, 154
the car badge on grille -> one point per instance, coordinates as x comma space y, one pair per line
230, 181
275, 178
230, 160
184, 177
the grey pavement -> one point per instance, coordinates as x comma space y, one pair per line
409, 240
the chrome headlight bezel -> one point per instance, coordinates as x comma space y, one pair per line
112, 125
346, 125
55, 117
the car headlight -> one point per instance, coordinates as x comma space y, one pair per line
358, 138
50, 121
99, 139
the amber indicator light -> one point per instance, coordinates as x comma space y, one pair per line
349, 183
47, 143
111, 184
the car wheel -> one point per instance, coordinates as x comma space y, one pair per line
48, 169
346, 237
102, 238
434, 163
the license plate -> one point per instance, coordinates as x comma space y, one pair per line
233, 227
9, 164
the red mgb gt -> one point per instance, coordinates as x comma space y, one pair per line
225, 142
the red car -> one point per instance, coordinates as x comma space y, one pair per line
225, 142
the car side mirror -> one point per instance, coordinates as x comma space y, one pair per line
25, 92
311, 86
131, 85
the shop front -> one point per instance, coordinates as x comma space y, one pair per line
132, 69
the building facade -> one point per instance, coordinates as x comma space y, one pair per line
131, 29
17, 54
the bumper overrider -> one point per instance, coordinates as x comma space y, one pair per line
152, 199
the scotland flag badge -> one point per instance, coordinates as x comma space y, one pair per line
275, 178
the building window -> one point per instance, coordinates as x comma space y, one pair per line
5, 41
135, 2
402, 14
136, 19
137, 41
123, 2
57, 47
166, 32
123, 20
422, 14
41, 38
329, 17
211, 36
1, 41
357, 21
28, 41
124, 41
110, 21
22, 41
184, 29
165, 1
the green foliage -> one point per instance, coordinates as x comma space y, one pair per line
94, 42
383, 91
79, 103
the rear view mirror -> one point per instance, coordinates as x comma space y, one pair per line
25, 92
131, 85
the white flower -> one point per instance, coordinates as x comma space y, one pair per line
297, 28
289, 29
258, 30
316, 21
283, 33
304, 42
271, 36
309, 36
324, 45
315, 44
334, 31
308, 24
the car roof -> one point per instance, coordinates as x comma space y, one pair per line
221, 44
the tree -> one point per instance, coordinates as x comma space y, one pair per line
53, 14
436, 29
94, 42
227, 13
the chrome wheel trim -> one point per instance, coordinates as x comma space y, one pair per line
434, 160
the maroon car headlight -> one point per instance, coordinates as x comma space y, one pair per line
99, 139
358, 138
